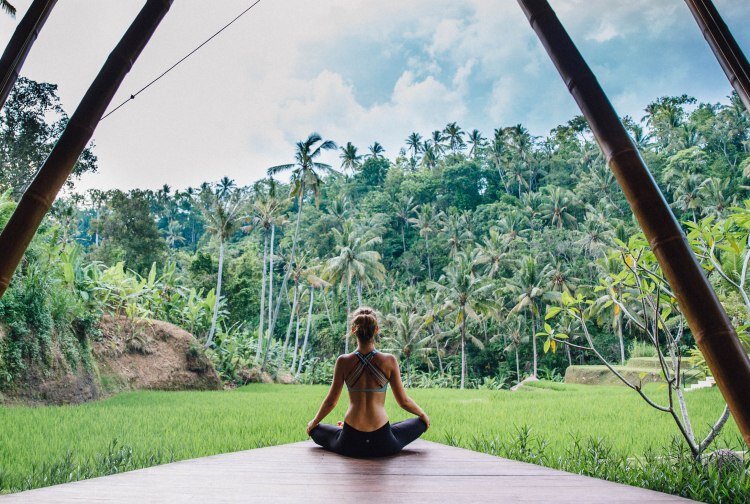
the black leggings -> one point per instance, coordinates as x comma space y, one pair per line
387, 440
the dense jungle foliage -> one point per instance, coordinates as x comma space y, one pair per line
467, 243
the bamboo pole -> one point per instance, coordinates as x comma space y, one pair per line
705, 315
38, 198
725, 47
20, 44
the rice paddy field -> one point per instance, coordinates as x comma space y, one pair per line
47, 445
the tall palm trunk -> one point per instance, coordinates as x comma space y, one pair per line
463, 347
262, 299
296, 342
328, 311
215, 316
348, 316
359, 292
307, 331
622, 340
427, 248
271, 324
292, 313
437, 350
518, 365
403, 236
292, 257
533, 341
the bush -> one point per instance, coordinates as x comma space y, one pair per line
641, 349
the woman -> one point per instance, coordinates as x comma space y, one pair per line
366, 431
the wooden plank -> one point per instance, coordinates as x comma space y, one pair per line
301, 472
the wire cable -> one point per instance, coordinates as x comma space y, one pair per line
165, 72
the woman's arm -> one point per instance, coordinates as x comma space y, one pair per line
403, 400
332, 398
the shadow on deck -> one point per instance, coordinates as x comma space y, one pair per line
303, 473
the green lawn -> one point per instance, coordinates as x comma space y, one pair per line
45, 445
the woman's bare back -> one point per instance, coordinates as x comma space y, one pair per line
366, 410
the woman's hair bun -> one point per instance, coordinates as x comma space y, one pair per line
364, 323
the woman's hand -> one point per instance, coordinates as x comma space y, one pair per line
425, 419
311, 425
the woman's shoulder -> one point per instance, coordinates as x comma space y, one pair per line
387, 357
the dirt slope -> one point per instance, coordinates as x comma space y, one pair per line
151, 354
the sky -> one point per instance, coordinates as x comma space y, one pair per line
352, 70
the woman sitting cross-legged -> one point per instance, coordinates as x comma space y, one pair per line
366, 431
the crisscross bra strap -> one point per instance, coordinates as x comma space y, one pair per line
366, 364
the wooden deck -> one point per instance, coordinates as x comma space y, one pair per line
303, 473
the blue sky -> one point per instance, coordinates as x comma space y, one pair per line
354, 70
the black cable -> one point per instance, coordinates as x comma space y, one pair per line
132, 96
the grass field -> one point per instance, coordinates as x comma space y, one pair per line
44, 445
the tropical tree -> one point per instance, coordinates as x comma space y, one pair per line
305, 177
455, 137
222, 208
8, 8
357, 263
527, 286
350, 160
413, 143
477, 143
266, 214
404, 210
376, 151
407, 339
464, 292
426, 221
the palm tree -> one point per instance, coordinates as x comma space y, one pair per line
455, 230
492, 252
597, 232
221, 210
376, 151
611, 297
437, 143
404, 210
527, 285
477, 142
350, 160
430, 158
314, 282
455, 137
407, 339
556, 208
688, 194
433, 304
413, 144
356, 262
8, 8
717, 195
173, 234
266, 215
426, 222
464, 292
304, 177
498, 157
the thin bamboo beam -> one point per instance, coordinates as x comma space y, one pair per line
41, 193
705, 315
725, 47
20, 44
